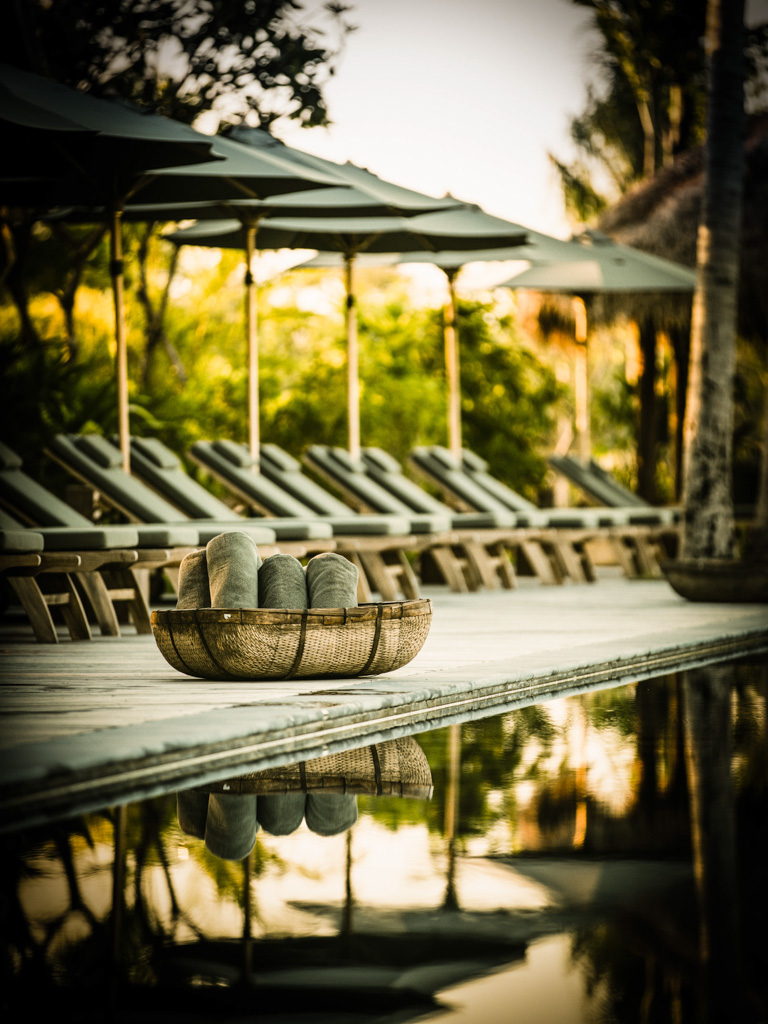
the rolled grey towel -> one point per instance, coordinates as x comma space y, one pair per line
280, 814
328, 814
193, 581
192, 809
282, 583
331, 581
231, 825
233, 570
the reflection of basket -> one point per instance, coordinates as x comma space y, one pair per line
395, 768
278, 643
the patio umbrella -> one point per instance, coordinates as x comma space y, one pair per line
451, 262
462, 227
114, 153
605, 266
360, 193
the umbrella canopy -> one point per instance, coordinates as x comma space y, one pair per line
594, 263
360, 193
462, 227
450, 262
599, 265
95, 154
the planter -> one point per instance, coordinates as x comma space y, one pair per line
724, 580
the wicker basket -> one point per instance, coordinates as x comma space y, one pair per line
394, 768
278, 643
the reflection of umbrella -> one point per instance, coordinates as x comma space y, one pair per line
460, 228
123, 153
605, 266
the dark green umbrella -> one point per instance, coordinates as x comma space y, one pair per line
597, 265
451, 262
359, 194
461, 227
67, 148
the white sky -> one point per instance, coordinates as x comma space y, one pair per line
463, 96
460, 96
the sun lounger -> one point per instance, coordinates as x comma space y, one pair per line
602, 487
155, 546
483, 539
467, 484
42, 568
468, 550
158, 467
96, 462
376, 543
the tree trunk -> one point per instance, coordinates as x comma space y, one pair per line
16, 283
707, 493
680, 338
646, 441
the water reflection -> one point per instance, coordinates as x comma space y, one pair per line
596, 858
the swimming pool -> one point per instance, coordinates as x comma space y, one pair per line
598, 857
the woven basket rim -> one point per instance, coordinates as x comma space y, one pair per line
274, 616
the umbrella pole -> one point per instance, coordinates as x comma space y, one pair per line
353, 383
116, 272
251, 320
581, 381
452, 370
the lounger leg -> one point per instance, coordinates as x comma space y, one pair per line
543, 566
123, 587
95, 589
452, 569
385, 577
32, 600
72, 610
58, 589
493, 566
407, 577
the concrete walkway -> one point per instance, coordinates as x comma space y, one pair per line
88, 724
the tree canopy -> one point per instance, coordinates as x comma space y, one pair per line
247, 62
647, 101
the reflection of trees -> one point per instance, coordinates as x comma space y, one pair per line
698, 954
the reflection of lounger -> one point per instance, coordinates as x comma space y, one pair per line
376, 543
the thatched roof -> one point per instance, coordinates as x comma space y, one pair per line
661, 216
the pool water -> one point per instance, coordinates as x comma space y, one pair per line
595, 858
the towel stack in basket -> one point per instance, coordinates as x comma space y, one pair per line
229, 573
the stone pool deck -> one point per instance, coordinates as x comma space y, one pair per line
85, 725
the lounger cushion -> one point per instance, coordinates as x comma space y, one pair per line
8, 458
237, 454
100, 450
280, 457
20, 541
129, 493
156, 452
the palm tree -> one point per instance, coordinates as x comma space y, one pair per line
707, 470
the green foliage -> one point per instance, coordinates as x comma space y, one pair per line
509, 398
647, 102
253, 61
194, 384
